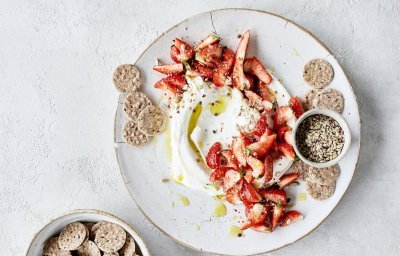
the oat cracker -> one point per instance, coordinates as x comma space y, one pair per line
318, 73
110, 237
135, 103
329, 98
301, 168
151, 120
111, 254
320, 192
133, 136
129, 247
94, 229
51, 248
127, 78
323, 176
89, 249
72, 236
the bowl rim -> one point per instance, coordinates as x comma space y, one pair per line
343, 124
142, 245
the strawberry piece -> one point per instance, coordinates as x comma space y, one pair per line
210, 39
239, 150
257, 214
210, 56
285, 133
177, 80
204, 71
169, 69
232, 194
219, 173
250, 78
256, 101
261, 228
261, 127
295, 104
282, 114
248, 176
221, 74
230, 159
268, 168
253, 66
230, 179
277, 214
265, 93
213, 158
249, 193
287, 150
174, 84
257, 166
290, 217
239, 79
288, 179
260, 149
274, 195
181, 51
192, 73
289, 137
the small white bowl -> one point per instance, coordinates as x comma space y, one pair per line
343, 124
56, 225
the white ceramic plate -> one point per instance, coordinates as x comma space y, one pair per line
285, 47
56, 225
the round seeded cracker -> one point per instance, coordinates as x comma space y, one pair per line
111, 254
301, 168
320, 192
72, 236
135, 103
129, 247
318, 73
127, 78
88, 249
51, 248
151, 120
323, 176
94, 229
309, 99
110, 237
133, 136
329, 98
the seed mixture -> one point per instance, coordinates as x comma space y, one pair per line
320, 138
91, 239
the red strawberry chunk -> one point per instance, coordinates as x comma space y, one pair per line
181, 51
274, 195
204, 71
169, 69
230, 159
261, 228
277, 214
239, 151
233, 194
282, 114
219, 173
210, 56
265, 93
295, 104
268, 168
249, 193
288, 179
261, 127
257, 166
290, 217
253, 66
260, 148
286, 149
256, 101
222, 72
230, 179
213, 156
238, 77
210, 39
257, 214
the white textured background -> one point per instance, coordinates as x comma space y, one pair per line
57, 108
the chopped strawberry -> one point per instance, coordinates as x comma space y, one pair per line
221, 74
257, 214
169, 69
256, 101
181, 51
265, 93
286, 149
250, 79
239, 151
285, 133
210, 39
230, 159
213, 158
277, 214
204, 71
230, 179
192, 73
173, 84
269, 168
248, 175
210, 56
246, 140
253, 66
261, 127
260, 148
290, 217
249, 193
288, 179
233, 194
289, 137
257, 166
282, 114
219, 173
239, 79
295, 104
247, 224
177, 80
261, 228
274, 195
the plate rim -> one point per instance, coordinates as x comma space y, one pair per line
288, 21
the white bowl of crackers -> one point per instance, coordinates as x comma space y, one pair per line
321, 137
87, 232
